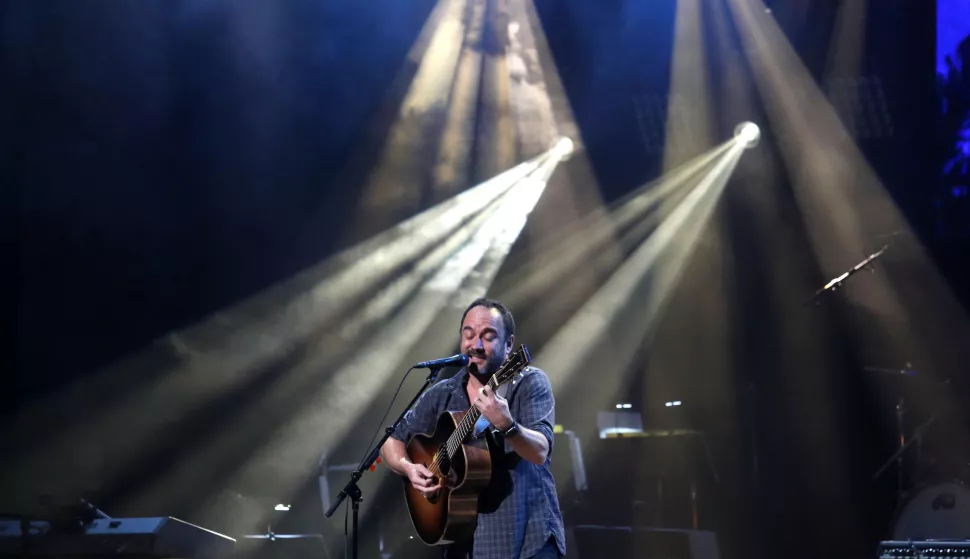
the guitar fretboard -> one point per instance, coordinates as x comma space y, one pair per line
519, 359
466, 426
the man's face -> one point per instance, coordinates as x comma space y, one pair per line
483, 339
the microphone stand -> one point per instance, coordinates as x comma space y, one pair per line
351, 489
837, 282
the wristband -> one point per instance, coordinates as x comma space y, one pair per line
512, 431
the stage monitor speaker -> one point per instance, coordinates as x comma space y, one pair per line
591, 542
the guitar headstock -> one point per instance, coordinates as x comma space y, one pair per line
515, 362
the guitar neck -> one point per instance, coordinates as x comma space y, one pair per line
466, 426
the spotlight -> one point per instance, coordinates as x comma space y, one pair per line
563, 147
748, 134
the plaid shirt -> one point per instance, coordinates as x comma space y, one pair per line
519, 511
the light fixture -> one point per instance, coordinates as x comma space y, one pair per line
748, 134
563, 147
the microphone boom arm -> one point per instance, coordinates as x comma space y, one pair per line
836, 282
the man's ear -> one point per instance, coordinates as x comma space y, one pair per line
510, 343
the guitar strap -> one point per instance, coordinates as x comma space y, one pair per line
503, 390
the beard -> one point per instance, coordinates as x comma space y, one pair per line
490, 366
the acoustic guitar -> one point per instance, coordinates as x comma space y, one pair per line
452, 514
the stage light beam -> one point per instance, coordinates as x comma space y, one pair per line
649, 274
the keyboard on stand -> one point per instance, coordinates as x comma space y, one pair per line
149, 538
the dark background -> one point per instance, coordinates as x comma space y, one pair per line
151, 178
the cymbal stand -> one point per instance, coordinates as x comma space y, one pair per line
904, 444
900, 411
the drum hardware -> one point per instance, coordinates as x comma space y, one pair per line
904, 444
272, 545
933, 509
273, 536
939, 511
897, 457
918, 433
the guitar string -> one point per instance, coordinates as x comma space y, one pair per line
450, 444
464, 427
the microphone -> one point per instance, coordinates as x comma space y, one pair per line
455, 360
836, 282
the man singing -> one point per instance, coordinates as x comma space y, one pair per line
518, 513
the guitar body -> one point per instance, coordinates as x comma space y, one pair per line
452, 514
